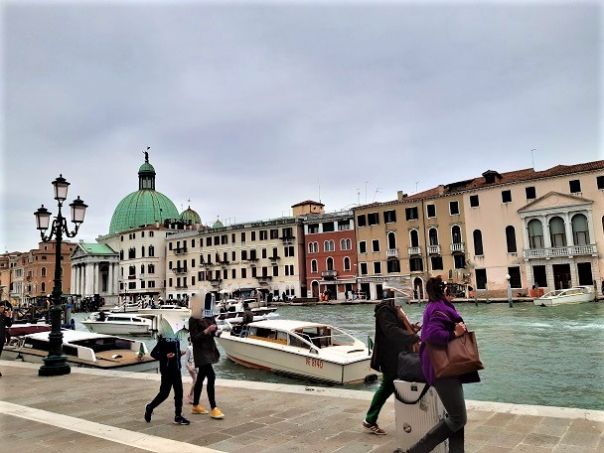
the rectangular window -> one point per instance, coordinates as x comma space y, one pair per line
437, 263
373, 218
208, 242
263, 235
416, 264
233, 238
453, 207
474, 201
243, 255
225, 274
363, 268
506, 196
263, 253
393, 265
540, 276
275, 271
243, 237
233, 273
253, 234
328, 227
531, 193
274, 234
431, 210
600, 182
411, 213
170, 282
460, 261
362, 247
361, 220
575, 186
389, 216
254, 272
377, 267
375, 245
515, 280
243, 272
481, 279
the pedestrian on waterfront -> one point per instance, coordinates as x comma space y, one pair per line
190, 365
6, 320
391, 338
202, 327
248, 315
167, 351
442, 323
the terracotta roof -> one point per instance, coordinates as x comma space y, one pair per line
302, 203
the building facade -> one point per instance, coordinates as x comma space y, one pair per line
39, 270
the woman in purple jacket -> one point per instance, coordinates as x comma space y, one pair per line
441, 324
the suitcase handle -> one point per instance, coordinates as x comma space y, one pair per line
421, 395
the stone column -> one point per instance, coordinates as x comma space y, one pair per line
568, 230
110, 279
547, 239
89, 279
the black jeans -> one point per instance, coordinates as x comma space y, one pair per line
169, 379
450, 391
205, 371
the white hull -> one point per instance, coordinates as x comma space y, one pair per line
295, 361
576, 295
109, 328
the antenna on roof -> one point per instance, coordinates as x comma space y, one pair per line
533, 157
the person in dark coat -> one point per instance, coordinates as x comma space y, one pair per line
167, 351
6, 320
441, 324
205, 353
248, 314
391, 338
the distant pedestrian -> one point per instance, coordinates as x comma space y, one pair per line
6, 320
167, 351
248, 314
202, 327
391, 338
190, 365
284, 296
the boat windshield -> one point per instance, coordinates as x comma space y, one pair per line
103, 343
325, 336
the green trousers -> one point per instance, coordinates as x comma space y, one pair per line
383, 392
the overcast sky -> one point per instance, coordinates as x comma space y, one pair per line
249, 109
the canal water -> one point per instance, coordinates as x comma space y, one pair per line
532, 355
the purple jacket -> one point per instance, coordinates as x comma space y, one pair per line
438, 330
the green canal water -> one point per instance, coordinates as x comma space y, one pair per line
532, 355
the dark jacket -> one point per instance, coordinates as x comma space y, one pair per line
438, 325
160, 352
5, 322
204, 347
390, 338
248, 316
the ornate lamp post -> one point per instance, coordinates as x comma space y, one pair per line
55, 363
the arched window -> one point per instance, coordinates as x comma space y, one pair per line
43, 287
391, 240
347, 266
143, 251
510, 237
433, 236
329, 263
580, 230
43, 272
456, 234
151, 250
150, 269
345, 244
535, 231
478, 250
311, 247
142, 268
557, 232
414, 238
313, 266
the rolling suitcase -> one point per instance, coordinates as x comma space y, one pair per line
417, 409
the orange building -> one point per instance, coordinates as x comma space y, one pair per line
39, 269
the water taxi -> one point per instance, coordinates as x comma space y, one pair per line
319, 352
120, 324
574, 295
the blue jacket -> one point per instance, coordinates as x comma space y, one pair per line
439, 330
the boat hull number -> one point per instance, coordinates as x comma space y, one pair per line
314, 363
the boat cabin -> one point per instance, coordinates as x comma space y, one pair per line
311, 336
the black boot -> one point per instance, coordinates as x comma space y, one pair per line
456, 441
434, 437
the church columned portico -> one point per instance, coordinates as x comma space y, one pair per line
94, 267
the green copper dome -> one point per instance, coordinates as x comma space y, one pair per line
146, 168
190, 216
144, 207
218, 224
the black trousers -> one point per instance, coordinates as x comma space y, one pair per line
170, 379
205, 371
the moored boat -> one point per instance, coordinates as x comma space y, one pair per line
314, 351
84, 349
120, 324
574, 295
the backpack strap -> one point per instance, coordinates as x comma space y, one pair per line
421, 395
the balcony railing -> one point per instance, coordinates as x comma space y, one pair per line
434, 249
569, 250
180, 250
180, 270
457, 247
264, 278
288, 240
329, 275
392, 253
274, 258
414, 251
181, 287
215, 281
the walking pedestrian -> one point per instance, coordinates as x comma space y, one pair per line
167, 351
6, 320
391, 338
202, 327
442, 323
190, 365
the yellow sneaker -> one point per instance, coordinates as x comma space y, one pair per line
199, 409
216, 413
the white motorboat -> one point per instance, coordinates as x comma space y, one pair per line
176, 316
120, 324
128, 307
574, 295
85, 349
232, 311
314, 351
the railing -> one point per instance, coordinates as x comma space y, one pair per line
181, 287
392, 253
179, 250
264, 278
569, 250
131, 277
414, 251
215, 281
434, 249
274, 258
329, 275
287, 240
457, 247
180, 270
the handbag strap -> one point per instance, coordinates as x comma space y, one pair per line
421, 395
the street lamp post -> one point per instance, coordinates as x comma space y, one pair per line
510, 302
55, 363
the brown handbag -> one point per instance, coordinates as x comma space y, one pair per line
459, 356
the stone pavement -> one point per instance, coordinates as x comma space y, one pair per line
100, 411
